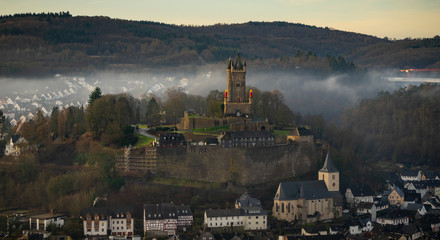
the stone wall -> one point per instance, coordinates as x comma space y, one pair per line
248, 165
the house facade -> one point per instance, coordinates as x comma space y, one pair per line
232, 139
121, 222
359, 193
248, 213
223, 218
165, 218
396, 197
15, 145
95, 222
42, 221
310, 201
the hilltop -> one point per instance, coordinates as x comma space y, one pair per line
42, 44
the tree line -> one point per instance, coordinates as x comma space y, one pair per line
45, 44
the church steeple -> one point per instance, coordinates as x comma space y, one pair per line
329, 174
328, 165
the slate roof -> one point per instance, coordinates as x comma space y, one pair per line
431, 175
184, 210
302, 131
414, 206
165, 211
246, 134
102, 212
409, 197
365, 205
121, 211
328, 165
315, 189
245, 200
15, 138
360, 190
254, 210
224, 212
399, 191
409, 173
319, 237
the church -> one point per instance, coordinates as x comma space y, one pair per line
310, 201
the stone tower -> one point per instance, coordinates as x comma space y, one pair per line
236, 101
329, 174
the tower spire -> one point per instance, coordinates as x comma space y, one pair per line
328, 165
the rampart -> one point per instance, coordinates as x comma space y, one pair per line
246, 165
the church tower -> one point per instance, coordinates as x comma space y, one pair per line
329, 174
236, 102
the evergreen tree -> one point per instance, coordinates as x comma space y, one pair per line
95, 95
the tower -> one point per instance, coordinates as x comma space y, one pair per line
236, 102
329, 174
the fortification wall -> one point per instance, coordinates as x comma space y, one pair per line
248, 165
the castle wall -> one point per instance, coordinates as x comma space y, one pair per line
247, 165
231, 108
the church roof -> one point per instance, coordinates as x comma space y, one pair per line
328, 165
309, 190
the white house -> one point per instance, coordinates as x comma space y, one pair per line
95, 221
393, 218
121, 221
42, 221
222, 218
411, 175
14, 147
359, 193
255, 217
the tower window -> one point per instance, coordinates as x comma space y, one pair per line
333, 177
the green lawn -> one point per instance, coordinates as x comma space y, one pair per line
143, 141
281, 133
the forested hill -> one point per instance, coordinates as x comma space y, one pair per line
57, 42
402, 127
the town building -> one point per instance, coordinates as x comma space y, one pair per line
15, 145
300, 134
166, 218
224, 218
232, 139
248, 214
359, 193
95, 222
42, 221
172, 139
121, 221
310, 201
396, 197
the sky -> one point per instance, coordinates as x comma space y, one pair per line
382, 18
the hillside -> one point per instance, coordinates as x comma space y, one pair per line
399, 127
41, 44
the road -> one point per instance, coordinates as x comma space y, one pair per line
144, 132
